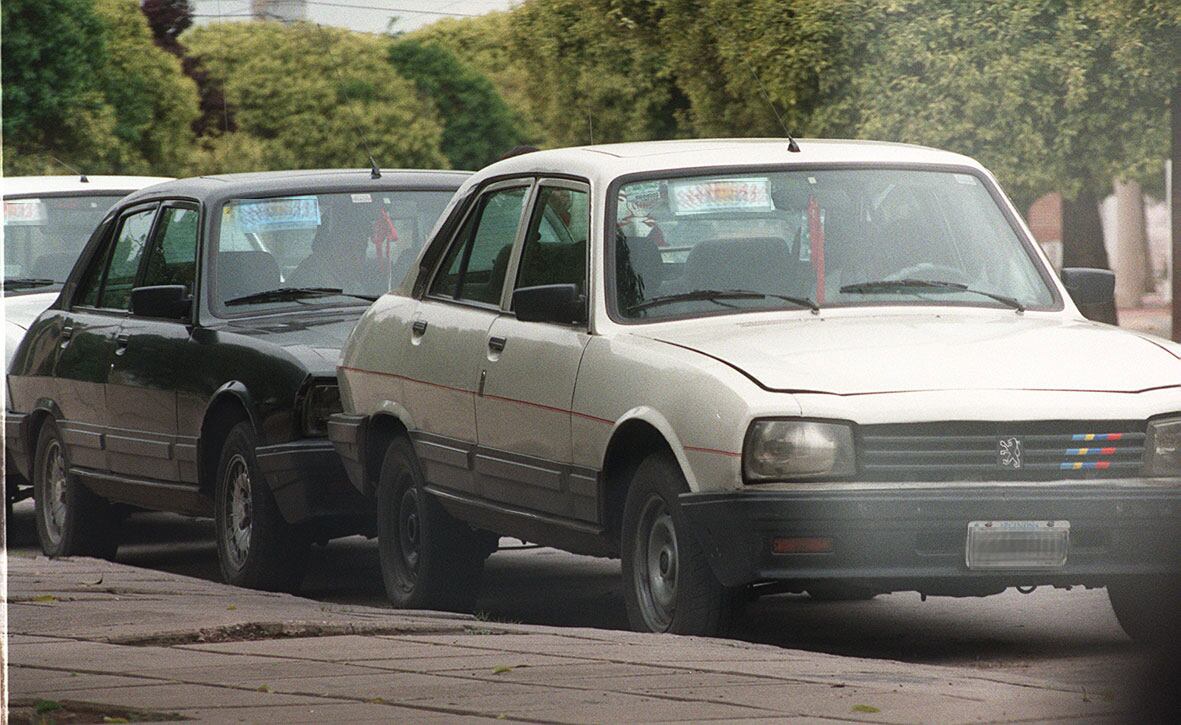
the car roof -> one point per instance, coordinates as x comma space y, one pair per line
275, 183
607, 161
21, 185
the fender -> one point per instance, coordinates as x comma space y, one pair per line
654, 418
238, 391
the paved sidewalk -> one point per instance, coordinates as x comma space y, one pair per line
114, 640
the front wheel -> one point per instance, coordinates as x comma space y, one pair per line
256, 547
71, 519
429, 559
667, 582
1149, 610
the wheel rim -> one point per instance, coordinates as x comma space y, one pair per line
409, 532
53, 512
656, 564
239, 514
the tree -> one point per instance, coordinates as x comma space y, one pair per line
53, 104
155, 103
316, 97
477, 125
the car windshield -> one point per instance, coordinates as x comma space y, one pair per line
828, 238
43, 236
319, 249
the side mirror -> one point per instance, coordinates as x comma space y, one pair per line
1089, 286
559, 303
168, 301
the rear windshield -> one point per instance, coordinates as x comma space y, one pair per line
43, 236
832, 238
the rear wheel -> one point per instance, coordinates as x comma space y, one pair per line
256, 547
1149, 610
667, 582
71, 519
429, 559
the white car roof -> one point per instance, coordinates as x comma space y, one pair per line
13, 185
607, 161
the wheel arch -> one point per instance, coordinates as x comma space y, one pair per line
636, 436
231, 404
45, 409
381, 429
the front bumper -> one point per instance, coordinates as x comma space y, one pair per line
914, 538
308, 481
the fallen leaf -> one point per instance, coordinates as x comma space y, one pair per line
232, 607
47, 706
94, 583
108, 718
501, 669
264, 688
375, 701
865, 708
45, 598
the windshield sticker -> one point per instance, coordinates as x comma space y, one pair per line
638, 200
713, 195
362, 198
265, 215
24, 212
966, 179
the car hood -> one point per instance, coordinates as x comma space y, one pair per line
853, 355
314, 340
21, 308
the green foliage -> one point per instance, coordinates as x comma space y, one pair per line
155, 103
594, 72
300, 95
477, 125
53, 103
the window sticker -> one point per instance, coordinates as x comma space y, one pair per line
966, 179
24, 212
362, 198
714, 195
266, 215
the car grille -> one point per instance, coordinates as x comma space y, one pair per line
980, 451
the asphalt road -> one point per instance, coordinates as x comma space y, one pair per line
1068, 636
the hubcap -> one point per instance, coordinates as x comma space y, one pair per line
656, 564
409, 531
239, 517
54, 510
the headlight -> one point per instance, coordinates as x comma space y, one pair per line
1162, 449
778, 450
321, 401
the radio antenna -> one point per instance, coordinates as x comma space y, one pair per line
374, 169
793, 147
81, 175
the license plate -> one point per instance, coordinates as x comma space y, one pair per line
1017, 544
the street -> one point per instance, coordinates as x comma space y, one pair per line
1070, 637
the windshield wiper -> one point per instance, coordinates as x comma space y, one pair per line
714, 295
893, 285
284, 294
27, 282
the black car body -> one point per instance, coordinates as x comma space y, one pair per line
206, 316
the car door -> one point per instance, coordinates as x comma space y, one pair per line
528, 371
446, 334
148, 365
88, 338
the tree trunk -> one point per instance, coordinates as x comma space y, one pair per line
1132, 273
1082, 245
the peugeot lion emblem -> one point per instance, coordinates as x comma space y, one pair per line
1008, 452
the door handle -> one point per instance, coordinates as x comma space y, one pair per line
66, 335
419, 327
496, 344
121, 343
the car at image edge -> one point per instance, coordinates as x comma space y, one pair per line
846, 371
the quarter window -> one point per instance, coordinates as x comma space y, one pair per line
474, 268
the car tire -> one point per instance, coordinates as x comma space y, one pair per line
256, 547
429, 559
71, 519
668, 585
1148, 609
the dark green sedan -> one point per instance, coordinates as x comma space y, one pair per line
189, 364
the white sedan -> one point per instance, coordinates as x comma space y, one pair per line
847, 370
